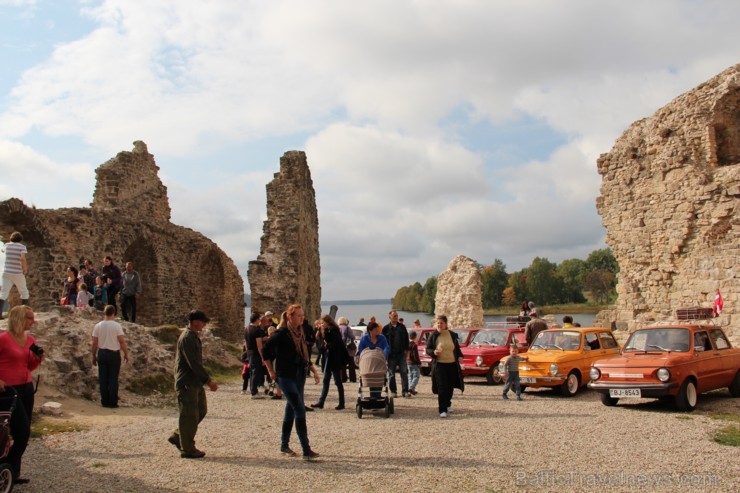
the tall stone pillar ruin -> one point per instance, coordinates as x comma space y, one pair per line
288, 270
669, 202
460, 293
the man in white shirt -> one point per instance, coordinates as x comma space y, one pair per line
15, 271
107, 344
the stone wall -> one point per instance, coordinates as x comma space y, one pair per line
288, 270
459, 294
669, 202
129, 220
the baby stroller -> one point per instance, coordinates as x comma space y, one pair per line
6, 441
374, 379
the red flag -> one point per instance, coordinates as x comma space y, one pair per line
718, 304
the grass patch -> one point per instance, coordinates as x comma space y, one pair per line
728, 435
167, 334
97, 465
222, 373
43, 426
235, 349
152, 384
684, 417
733, 418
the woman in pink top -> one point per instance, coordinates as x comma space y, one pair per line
19, 356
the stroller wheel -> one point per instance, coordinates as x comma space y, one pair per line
387, 413
6, 478
391, 406
358, 408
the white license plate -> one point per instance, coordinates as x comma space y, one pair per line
625, 393
424, 364
527, 380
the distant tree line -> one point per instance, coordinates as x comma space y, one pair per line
544, 282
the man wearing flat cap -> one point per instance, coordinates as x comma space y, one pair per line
190, 377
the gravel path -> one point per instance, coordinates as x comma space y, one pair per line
545, 443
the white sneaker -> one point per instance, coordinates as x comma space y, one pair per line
449, 410
442, 415
244, 392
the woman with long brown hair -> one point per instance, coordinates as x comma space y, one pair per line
19, 356
335, 359
287, 350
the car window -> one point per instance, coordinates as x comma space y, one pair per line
607, 340
701, 341
593, 340
424, 337
720, 341
490, 338
673, 339
558, 339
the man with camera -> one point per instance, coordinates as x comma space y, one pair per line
107, 344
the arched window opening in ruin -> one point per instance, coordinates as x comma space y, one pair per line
727, 129
149, 306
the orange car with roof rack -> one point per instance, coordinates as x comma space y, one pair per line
675, 362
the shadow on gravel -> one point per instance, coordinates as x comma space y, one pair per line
55, 470
354, 465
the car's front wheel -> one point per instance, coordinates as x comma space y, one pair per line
607, 400
735, 387
687, 396
493, 376
569, 388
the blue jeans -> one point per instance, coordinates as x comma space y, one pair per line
109, 367
513, 380
328, 374
400, 361
295, 409
413, 376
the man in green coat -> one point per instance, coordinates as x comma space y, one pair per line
190, 377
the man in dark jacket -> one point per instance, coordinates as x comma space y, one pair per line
190, 377
398, 341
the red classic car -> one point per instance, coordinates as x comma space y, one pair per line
676, 362
482, 355
464, 336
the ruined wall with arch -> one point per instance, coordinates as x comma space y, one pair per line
670, 203
130, 220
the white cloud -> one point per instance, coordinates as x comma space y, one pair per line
373, 84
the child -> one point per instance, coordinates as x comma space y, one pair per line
245, 368
511, 367
83, 296
273, 388
100, 294
413, 363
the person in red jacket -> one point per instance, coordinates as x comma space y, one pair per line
19, 356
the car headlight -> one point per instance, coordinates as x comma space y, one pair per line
594, 373
664, 374
553, 369
479, 361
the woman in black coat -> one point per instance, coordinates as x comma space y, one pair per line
335, 359
446, 355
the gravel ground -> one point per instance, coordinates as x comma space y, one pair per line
545, 443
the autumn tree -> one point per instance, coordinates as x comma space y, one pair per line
494, 280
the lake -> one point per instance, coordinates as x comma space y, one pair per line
380, 311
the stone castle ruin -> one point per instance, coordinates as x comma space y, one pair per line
669, 202
130, 221
460, 294
288, 270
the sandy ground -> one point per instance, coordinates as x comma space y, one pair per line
545, 443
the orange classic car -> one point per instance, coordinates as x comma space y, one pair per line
562, 358
676, 362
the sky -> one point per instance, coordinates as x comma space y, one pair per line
432, 128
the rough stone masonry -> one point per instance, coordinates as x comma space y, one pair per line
287, 269
130, 221
459, 293
669, 202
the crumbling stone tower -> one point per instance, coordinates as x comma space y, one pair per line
288, 270
460, 293
130, 220
669, 202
